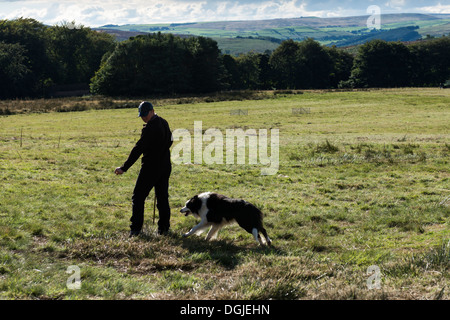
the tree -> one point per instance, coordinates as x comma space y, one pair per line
265, 71
15, 76
382, 64
431, 63
206, 68
231, 78
159, 63
304, 64
285, 65
249, 71
76, 52
315, 65
63, 54
30, 34
342, 63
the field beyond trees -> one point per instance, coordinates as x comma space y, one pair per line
363, 183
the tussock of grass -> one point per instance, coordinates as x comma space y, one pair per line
434, 261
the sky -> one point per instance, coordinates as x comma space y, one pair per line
98, 13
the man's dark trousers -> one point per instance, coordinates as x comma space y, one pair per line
147, 179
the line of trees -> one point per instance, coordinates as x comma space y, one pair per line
293, 65
394, 64
33, 57
160, 64
163, 63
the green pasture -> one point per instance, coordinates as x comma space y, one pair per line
363, 181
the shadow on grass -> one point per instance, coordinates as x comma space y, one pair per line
223, 252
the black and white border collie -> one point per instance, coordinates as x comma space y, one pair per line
216, 210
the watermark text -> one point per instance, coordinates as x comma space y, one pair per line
235, 141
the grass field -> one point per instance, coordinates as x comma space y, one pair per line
363, 181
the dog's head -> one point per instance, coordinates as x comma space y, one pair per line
192, 206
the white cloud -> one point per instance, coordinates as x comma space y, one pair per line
153, 11
439, 8
94, 14
256, 10
395, 4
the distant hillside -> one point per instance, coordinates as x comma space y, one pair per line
120, 34
399, 34
315, 22
236, 37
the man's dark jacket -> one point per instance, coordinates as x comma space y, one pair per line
154, 144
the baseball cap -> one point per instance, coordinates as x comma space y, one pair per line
144, 108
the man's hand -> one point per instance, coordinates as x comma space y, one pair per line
118, 171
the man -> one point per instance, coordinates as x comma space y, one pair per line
154, 144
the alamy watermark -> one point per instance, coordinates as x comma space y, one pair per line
74, 281
374, 280
235, 143
374, 21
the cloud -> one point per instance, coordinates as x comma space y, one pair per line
439, 8
94, 14
153, 11
395, 4
255, 10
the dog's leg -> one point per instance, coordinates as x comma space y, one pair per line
198, 229
212, 234
268, 240
261, 242
257, 236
